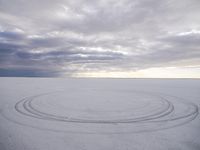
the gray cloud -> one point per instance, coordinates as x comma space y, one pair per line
55, 37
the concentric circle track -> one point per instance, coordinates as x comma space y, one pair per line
87, 113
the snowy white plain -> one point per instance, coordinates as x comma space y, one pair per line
99, 114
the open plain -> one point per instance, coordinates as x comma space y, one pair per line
96, 114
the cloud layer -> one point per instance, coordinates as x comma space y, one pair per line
65, 38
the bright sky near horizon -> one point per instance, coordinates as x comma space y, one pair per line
102, 38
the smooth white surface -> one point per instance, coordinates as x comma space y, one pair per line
96, 114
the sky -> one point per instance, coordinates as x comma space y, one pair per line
100, 38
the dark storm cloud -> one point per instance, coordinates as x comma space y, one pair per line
9, 46
186, 39
8, 35
69, 55
75, 36
27, 73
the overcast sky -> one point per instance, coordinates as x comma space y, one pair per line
100, 38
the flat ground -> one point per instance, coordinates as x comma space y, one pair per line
99, 114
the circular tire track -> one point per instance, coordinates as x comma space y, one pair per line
29, 110
170, 112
